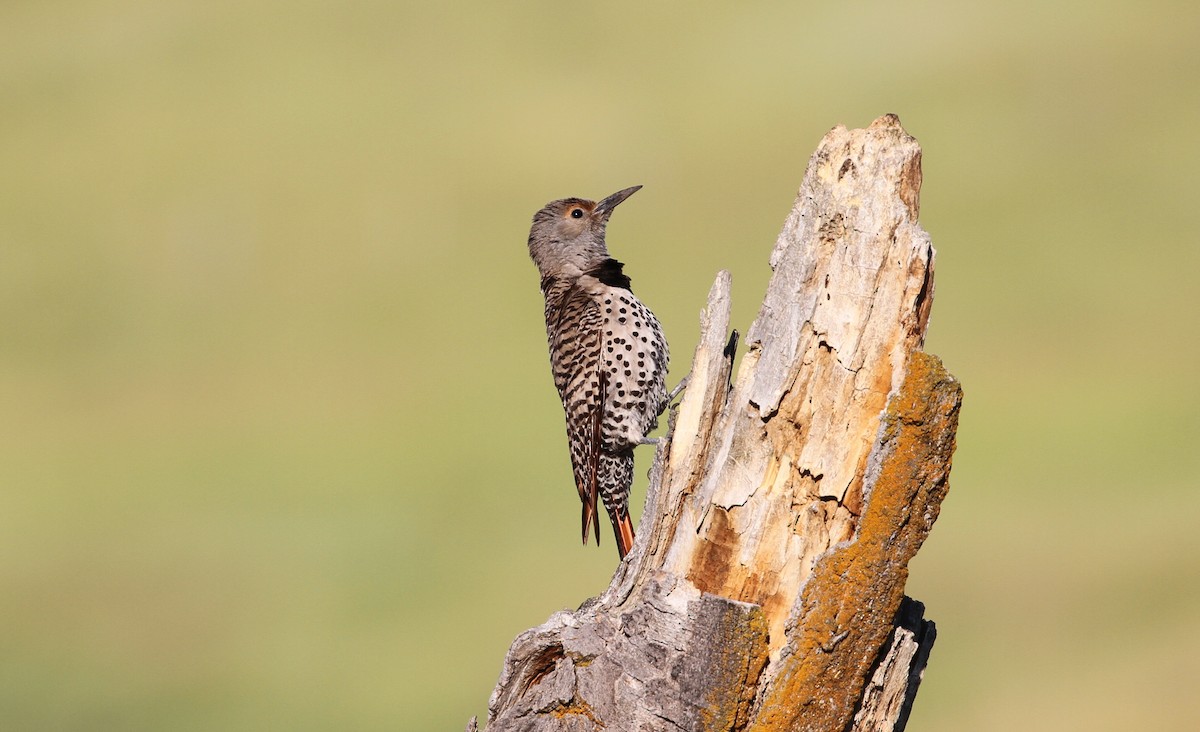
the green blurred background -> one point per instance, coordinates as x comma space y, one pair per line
280, 446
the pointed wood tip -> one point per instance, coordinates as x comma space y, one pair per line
888, 120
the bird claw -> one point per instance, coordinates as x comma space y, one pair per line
674, 393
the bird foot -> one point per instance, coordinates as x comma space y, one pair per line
674, 393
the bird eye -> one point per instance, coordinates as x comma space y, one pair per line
577, 213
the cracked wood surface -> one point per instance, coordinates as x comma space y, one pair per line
765, 588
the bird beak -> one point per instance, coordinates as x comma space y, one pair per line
605, 207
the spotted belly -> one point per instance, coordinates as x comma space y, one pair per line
634, 360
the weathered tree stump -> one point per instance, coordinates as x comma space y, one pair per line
765, 590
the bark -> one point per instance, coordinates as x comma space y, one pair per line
765, 590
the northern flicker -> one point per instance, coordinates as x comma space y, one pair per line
607, 353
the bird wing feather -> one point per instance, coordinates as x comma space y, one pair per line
575, 342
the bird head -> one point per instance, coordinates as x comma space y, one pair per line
567, 236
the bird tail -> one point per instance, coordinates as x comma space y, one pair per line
615, 476
589, 490
623, 531
590, 518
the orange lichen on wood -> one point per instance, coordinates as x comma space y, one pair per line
576, 707
849, 602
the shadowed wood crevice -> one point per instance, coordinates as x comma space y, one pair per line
765, 589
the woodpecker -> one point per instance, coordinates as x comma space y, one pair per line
607, 353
